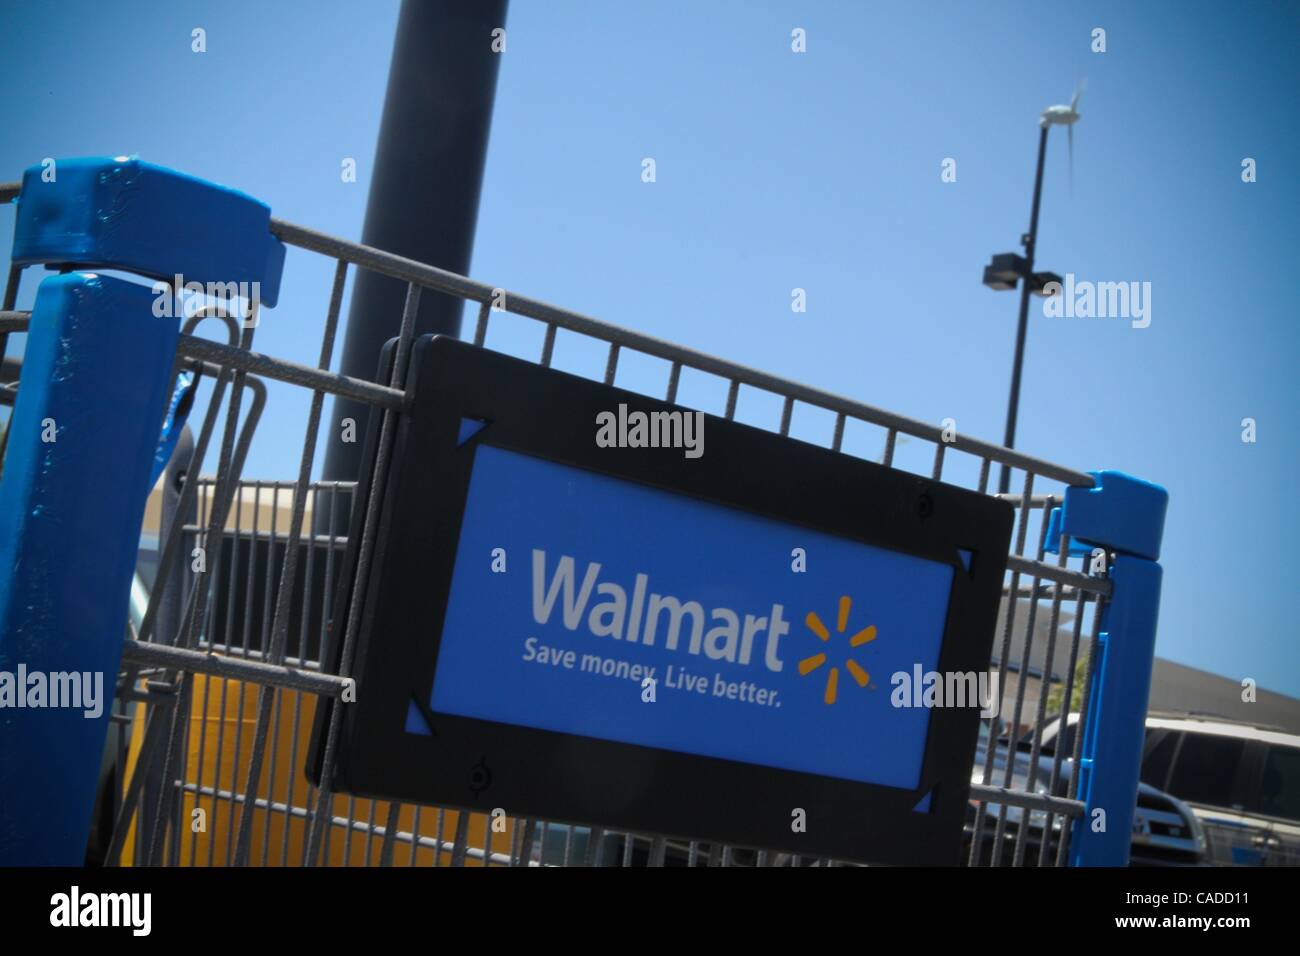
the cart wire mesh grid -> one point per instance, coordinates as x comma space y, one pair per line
221, 672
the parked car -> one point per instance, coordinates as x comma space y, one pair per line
1241, 779
1166, 832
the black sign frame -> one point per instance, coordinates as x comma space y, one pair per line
481, 765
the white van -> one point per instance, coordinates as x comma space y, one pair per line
1242, 781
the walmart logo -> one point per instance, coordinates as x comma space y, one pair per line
810, 664
643, 615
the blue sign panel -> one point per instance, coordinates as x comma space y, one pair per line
613, 588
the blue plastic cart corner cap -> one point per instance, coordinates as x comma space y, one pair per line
135, 216
1120, 513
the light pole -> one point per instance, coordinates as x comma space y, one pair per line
424, 190
1008, 268
1027, 241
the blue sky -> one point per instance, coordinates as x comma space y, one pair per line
819, 171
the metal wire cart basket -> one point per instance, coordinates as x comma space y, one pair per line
220, 676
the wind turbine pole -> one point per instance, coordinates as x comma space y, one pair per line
1028, 240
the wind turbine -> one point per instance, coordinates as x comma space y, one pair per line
1065, 116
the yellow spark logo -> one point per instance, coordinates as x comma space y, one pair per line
810, 664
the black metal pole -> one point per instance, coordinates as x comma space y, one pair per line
424, 190
1028, 241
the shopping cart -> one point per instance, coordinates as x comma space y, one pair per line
221, 671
